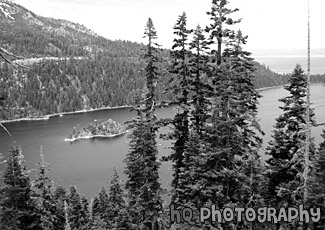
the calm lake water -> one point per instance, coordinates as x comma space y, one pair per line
88, 164
286, 64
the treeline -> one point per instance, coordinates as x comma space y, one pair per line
74, 84
267, 78
317, 78
100, 81
55, 87
38, 204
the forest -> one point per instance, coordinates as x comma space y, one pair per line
216, 137
94, 82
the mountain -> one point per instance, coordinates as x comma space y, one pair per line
93, 71
29, 35
75, 69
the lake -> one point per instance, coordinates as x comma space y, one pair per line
89, 164
286, 63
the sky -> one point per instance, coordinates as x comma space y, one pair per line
269, 24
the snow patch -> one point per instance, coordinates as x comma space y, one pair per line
5, 11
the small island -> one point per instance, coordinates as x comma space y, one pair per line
104, 129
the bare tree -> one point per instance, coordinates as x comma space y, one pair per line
307, 153
8, 57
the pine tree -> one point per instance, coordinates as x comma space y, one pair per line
66, 216
42, 188
85, 213
189, 183
95, 207
142, 167
233, 138
101, 207
180, 88
123, 221
230, 162
17, 208
97, 222
116, 201
316, 183
240, 82
199, 84
77, 215
59, 196
151, 71
285, 165
219, 15
191, 177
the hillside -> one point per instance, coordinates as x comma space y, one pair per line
29, 35
93, 72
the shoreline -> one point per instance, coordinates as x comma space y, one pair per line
278, 86
94, 136
270, 87
47, 117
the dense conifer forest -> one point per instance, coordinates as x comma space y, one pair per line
216, 137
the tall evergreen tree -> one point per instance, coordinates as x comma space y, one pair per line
116, 200
220, 21
189, 183
229, 164
101, 208
191, 177
97, 220
95, 207
200, 87
241, 76
59, 196
66, 216
316, 183
180, 88
42, 188
85, 213
285, 165
152, 60
231, 160
123, 221
77, 215
142, 167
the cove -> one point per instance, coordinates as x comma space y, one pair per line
89, 164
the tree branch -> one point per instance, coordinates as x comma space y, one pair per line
5, 129
4, 52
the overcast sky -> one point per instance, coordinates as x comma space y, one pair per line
269, 24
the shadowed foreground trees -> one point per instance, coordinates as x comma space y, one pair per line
17, 209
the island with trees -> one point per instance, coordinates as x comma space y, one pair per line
104, 129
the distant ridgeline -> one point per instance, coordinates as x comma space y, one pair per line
96, 73
104, 129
